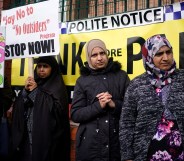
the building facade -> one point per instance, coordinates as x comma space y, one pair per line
71, 10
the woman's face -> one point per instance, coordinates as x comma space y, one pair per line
163, 59
98, 58
43, 70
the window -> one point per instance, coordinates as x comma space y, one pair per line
70, 10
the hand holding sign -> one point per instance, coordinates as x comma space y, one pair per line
30, 84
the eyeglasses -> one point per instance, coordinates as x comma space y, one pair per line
94, 55
43, 65
168, 52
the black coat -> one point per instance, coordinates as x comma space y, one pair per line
50, 129
6, 97
97, 137
48, 121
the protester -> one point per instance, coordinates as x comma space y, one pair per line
40, 125
6, 97
152, 117
97, 103
6, 100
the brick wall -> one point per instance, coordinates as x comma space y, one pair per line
73, 129
8, 70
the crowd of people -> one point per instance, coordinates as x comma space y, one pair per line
119, 119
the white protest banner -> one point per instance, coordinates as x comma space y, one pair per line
31, 30
123, 20
123, 44
2, 57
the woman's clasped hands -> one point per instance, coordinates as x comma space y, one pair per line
105, 98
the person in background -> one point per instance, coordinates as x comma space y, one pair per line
96, 105
152, 117
6, 97
40, 121
6, 100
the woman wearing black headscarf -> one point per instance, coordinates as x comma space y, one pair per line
40, 126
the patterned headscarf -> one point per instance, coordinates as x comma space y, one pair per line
159, 78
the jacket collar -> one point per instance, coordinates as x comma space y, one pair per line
112, 66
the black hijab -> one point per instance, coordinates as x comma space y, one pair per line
53, 84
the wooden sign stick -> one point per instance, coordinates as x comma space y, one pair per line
31, 66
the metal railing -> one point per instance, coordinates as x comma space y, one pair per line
81, 9
70, 10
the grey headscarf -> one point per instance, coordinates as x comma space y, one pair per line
90, 46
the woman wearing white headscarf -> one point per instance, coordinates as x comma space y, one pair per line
152, 117
96, 105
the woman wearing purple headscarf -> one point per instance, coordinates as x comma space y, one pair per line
152, 117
